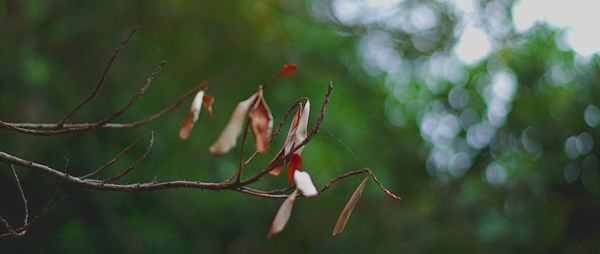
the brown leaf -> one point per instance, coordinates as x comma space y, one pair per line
261, 121
207, 103
192, 116
339, 226
188, 122
228, 138
282, 216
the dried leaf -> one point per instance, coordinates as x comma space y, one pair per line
302, 130
297, 134
295, 164
288, 69
261, 122
228, 138
208, 101
339, 226
305, 184
283, 215
192, 116
288, 144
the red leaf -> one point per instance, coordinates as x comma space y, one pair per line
288, 69
207, 103
295, 164
184, 133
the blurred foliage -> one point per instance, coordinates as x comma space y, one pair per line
495, 156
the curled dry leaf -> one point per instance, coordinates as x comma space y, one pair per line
192, 116
261, 121
339, 226
283, 215
305, 184
297, 134
227, 139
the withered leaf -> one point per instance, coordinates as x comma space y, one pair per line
296, 134
208, 101
305, 184
288, 144
192, 116
341, 223
228, 138
295, 164
261, 122
282, 216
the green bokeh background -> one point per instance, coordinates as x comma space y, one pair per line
53, 52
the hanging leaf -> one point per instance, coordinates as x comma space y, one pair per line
283, 215
261, 122
341, 223
288, 144
192, 116
296, 134
207, 102
228, 138
305, 184
302, 129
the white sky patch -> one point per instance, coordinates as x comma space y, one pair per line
580, 17
473, 45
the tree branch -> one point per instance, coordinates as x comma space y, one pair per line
102, 78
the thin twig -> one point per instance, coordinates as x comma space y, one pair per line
276, 191
37, 218
389, 193
25, 209
238, 173
103, 77
135, 97
94, 125
111, 161
351, 173
65, 163
117, 176
23, 127
11, 232
285, 118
